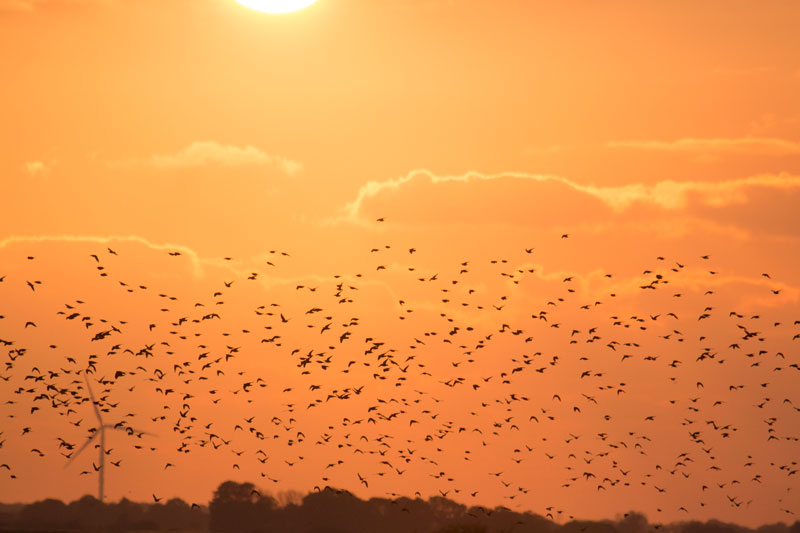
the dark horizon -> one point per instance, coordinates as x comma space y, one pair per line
241, 507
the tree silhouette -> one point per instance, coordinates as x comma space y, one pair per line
239, 507
46, 514
242, 508
463, 528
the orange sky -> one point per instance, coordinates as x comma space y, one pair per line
476, 131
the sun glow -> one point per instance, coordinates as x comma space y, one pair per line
276, 6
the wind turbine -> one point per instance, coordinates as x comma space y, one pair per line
101, 431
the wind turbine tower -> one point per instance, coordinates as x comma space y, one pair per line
100, 431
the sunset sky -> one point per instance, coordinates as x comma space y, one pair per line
431, 231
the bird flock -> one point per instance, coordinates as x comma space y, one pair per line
487, 379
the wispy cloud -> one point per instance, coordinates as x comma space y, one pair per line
742, 71
107, 240
669, 195
36, 168
743, 145
17, 5
206, 153
211, 153
29, 6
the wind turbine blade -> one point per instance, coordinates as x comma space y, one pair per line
129, 430
94, 404
85, 444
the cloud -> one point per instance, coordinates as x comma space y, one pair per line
29, 6
36, 168
107, 240
667, 195
211, 153
671, 194
744, 145
208, 153
17, 5
746, 71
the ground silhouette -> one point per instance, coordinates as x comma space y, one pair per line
242, 508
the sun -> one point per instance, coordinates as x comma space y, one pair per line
276, 6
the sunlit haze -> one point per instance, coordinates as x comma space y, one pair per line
539, 255
276, 6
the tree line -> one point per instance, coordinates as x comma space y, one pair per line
242, 508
